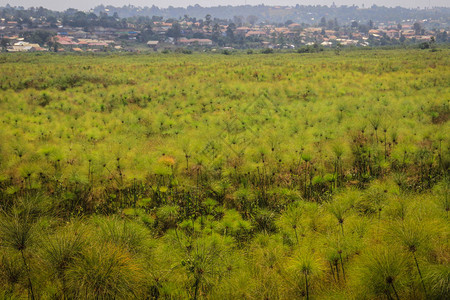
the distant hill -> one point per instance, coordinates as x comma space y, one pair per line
281, 14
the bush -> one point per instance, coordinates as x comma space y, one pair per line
424, 45
267, 51
183, 51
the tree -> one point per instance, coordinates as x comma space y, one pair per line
52, 20
146, 34
281, 40
4, 43
252, 19
364, 28
230, 32
417, 28
208, 20
441, 37
288, 22
80, 19
330, 24
216, 33
52, 43
433, 43
336, 24
174, 31
238, 20
40, 37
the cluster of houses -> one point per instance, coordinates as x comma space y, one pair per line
65, 43
268, 36
273, 36
83, 44
21, 46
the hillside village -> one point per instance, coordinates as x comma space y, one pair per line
52, 34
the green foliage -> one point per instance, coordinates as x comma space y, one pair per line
103, 272
382, 273
438, 279
225, 177
267, 51
167, 217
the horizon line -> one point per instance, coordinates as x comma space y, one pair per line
218, 6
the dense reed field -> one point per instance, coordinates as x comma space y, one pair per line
205, 176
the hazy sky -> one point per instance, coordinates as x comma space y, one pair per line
87, 4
